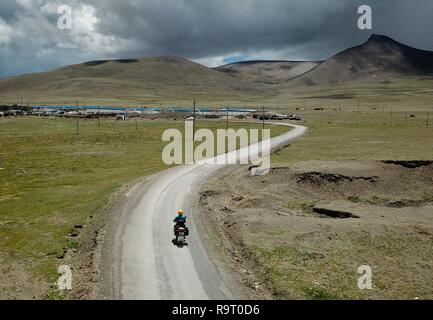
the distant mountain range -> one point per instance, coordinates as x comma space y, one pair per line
379, 59
268, 72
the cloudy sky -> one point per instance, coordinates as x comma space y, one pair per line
211, 32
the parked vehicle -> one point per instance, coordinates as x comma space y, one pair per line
121, 117
279, 116
20, 113
296, 117
10, 113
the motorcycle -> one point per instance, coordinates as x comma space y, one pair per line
181, 234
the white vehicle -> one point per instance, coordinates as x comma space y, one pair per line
279, 116
72, 114
2, 114
121, 116
296, 117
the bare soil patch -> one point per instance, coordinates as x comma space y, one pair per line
302, 231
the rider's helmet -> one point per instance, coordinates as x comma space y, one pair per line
180, 212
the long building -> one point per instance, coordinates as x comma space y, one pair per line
104, 110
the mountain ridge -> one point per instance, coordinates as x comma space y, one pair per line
380, 58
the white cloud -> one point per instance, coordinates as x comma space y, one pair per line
5, 33
295, 54
211, 62
29, 4
85, 20
205, 31
39, 44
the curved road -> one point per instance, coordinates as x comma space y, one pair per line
149, 266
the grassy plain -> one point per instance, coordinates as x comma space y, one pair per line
53, 181
363, 121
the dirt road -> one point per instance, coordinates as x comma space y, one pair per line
144, 262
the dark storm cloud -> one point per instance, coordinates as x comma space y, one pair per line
206, 31
197, 29
8, 9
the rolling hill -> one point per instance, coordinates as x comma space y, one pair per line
268, 72
173, 79
148, 79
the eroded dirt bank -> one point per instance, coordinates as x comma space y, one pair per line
302, 231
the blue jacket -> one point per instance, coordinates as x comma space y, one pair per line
181, 219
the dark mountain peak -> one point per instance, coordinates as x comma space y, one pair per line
378, 59
380, 38
380, 41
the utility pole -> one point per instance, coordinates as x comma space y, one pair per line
99, 117
193, 123
136, 124
227, 118
263, 117
78, 123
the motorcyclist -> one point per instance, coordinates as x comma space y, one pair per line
180, 221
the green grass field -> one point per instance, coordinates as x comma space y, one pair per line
365, 135
52, 180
